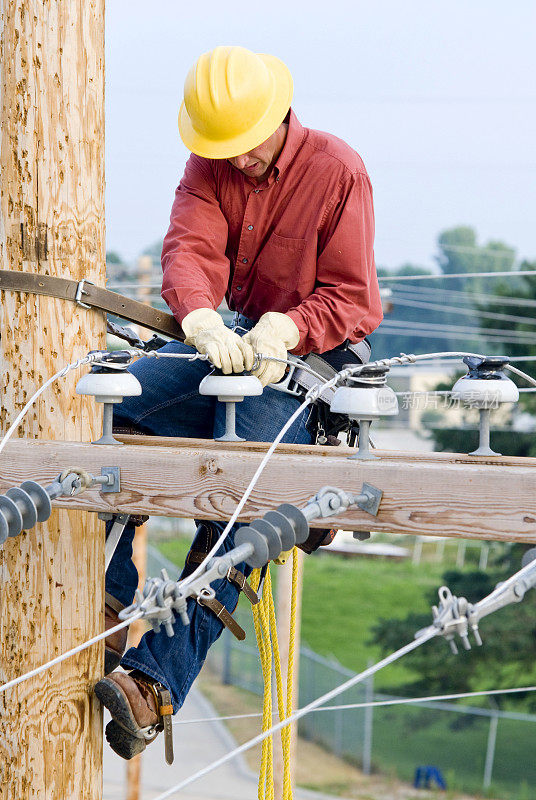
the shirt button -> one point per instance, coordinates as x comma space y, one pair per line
244, 261
238, 288
250, 227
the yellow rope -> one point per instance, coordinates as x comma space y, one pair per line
265, 656
266, 632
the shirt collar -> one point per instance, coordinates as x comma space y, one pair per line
293, 141
295, 135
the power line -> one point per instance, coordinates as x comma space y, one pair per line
385, 330
520, 336
490, 346
467, 296
464, 311
457, 275
398, 701
442, 363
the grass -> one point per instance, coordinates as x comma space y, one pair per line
343, 598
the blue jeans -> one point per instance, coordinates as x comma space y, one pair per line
170, 405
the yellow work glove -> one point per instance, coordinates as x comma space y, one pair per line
204, 329
273, 335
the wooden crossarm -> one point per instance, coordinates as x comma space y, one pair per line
440, 494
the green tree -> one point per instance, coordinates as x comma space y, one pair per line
460, 252
113, 258
513, 307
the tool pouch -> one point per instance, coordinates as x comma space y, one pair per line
318, 537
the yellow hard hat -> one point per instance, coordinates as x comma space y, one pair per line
233, 101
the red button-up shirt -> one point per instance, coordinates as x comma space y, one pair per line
300, 243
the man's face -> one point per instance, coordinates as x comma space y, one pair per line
258, 162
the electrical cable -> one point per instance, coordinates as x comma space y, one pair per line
355, 679
440, 333
449, 276
310, 396
398, 701
202, 357
38, 670
90, 358
499, 333
464, 311
521, 374
467, 296
512, 360
454, 354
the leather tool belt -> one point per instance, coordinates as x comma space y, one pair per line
87, 295
235, 577
298, 381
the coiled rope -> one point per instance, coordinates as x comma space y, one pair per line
265, 624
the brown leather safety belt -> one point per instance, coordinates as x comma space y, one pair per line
87, 295
217, 608
164, 709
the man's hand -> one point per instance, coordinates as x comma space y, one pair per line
273, 335
205, 330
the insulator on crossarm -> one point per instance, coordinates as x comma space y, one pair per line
297, 519
21, 508
276, 532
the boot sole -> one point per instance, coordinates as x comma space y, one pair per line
120, 732
117, 704
122, 742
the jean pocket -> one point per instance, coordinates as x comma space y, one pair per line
280, 262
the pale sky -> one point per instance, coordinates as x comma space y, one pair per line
439, 99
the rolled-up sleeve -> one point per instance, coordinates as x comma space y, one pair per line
196, 270
346, 290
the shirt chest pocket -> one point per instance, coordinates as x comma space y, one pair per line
280, 262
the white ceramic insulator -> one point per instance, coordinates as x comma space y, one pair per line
481, 393
231, 387
109, 387
365, 403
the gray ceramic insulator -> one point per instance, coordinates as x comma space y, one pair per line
21, 508
276, 532
298, 521
284, 528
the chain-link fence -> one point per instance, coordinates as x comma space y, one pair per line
474, 749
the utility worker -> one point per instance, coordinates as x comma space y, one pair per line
279, 220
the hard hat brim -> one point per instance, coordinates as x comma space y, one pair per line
262, 130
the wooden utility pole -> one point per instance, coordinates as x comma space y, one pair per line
51, 222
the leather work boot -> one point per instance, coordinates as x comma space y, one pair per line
116, 643
140, 708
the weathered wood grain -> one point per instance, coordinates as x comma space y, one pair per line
51, 222
206, 480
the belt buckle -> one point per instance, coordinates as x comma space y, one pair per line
80, 291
